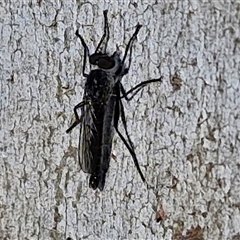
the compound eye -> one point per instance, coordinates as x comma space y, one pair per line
94, 58
103, 61
106, 63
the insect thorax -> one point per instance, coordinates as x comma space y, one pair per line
100, 82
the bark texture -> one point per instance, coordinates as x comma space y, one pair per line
186, 130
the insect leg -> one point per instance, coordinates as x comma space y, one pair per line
78, 119
86, 52
137, 88
120, 111
129, 46
105, 34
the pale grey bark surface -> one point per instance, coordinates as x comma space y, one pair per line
185, 130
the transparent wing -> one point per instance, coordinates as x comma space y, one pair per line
87, 129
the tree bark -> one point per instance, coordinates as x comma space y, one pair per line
185, 129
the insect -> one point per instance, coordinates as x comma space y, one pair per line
102, 107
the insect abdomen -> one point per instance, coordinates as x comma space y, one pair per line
103, 101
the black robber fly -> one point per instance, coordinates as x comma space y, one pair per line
102, 107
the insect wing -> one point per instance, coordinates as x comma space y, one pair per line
85, 137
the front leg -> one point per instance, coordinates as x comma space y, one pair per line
86, 53
105, 34
130, 45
